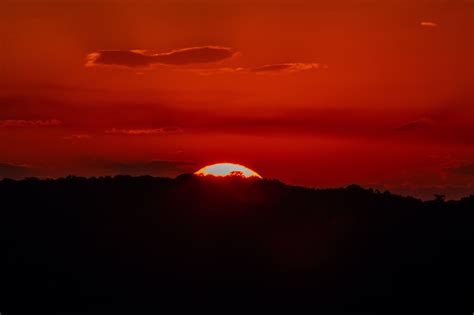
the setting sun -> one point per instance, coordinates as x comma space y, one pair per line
227, 169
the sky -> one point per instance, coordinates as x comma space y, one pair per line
313, 93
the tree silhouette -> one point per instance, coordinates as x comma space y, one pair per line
237, 173
439, 198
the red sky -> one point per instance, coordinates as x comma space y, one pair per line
315, 93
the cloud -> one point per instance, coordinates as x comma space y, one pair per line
414, 125
77, 137
212, 71
143, 132
467, 169
190, 56
29, 123
159, 167
279, 68
286, 67
428, 24
13, 171
140, 58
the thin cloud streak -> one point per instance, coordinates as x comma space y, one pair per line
77, 137
29, 123
280, 68
155, 167
428, 24
287, 67
414, 125
143, 132
466, 169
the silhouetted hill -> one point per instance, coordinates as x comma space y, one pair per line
77, 244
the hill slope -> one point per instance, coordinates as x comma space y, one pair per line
76, 243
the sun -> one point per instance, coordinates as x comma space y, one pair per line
227, 169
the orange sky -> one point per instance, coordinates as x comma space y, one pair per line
317, 93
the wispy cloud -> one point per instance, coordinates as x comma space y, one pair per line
279, 68
287, 67
414, 125
466, 169
14, 171
141, 58
143, 132
29, 123
157, 167
428, 24
77, 137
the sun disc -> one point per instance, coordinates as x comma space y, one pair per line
227, 169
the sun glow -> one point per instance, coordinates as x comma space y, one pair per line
227, 169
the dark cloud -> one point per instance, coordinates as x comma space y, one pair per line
120, 57
414, 125
140, 58
14, 171
205, 54
467, 169
29, 123
157, 168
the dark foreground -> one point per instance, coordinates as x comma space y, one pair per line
147, 244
